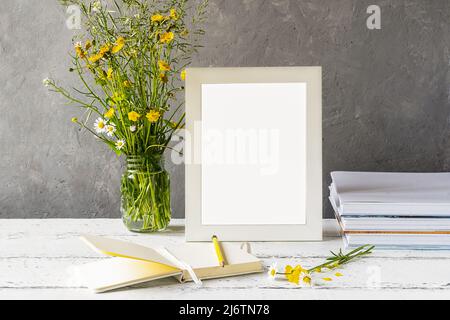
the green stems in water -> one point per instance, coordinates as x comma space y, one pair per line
146, 194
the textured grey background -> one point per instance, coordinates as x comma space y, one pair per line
386, 94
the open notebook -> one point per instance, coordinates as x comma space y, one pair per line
134, 264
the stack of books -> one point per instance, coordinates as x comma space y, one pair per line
393, 210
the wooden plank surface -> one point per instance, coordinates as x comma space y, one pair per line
36, 257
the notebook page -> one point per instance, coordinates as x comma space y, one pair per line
117, 273
122, 249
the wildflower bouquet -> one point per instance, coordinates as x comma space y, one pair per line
131, 63
307, 277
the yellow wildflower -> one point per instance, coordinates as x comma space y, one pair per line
109, 74
105, 49
293, 274
111, 112
127, 84
96, 57
166, 37
134, 116
163, 66
120, 43
157, 18
75, 120
183, 75
153, 116
173, 14
163, 77
288, 269
79, 51
306, 278
88, 45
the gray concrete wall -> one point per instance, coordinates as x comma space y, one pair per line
386, 94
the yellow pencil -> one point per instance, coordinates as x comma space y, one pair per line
218, 251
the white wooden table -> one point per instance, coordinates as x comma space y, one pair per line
35, 256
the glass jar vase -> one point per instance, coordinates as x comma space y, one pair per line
145, 191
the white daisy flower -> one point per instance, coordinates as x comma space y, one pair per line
100, 125
110, 129
306, 279
133, 129
120, 144
273, 270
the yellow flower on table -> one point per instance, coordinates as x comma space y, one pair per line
166, 37
134, 116
111, 112
153, 116
173, 14
306, 278
163, 66
120, 43
183, 75
157, 18
293, 274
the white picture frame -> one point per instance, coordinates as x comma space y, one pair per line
274, 192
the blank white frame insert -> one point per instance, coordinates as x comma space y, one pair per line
254, 154
257, 155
